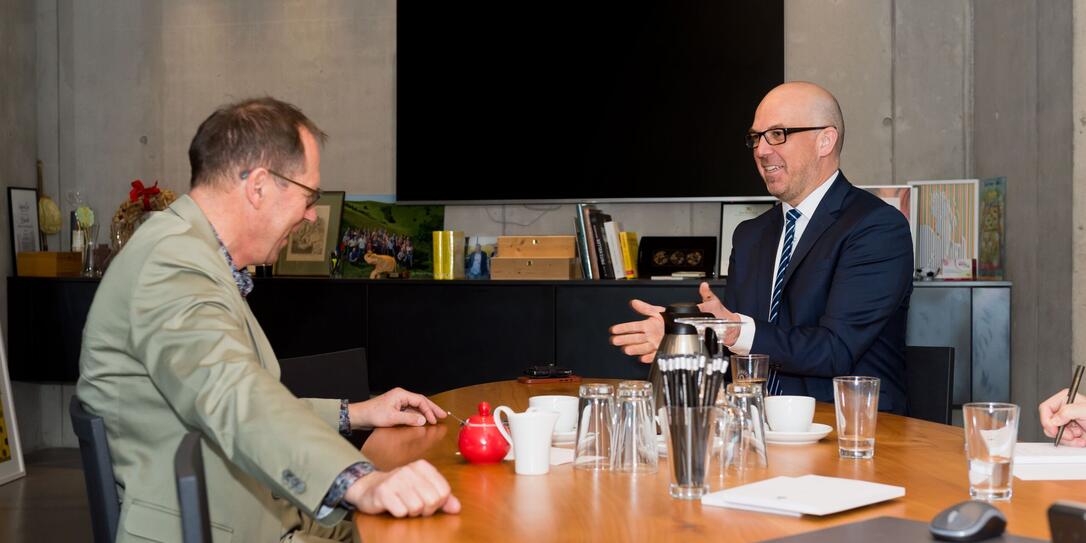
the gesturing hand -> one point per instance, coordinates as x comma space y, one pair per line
711, 304
640, 338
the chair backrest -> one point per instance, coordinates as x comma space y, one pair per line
340, 374
188, 466
105, 505
929, 382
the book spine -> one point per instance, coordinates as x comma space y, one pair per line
629, 253
439, 254
582, 243
602, 253
454, 254
593, 259
618, 268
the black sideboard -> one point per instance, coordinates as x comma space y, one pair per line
427, 336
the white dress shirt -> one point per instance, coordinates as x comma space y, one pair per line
807, 210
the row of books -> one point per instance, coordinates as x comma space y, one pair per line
606, 251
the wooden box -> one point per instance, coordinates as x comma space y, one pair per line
507, 267
537, 246
48, 264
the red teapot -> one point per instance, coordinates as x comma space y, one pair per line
480, 441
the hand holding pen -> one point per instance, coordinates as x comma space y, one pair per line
1063, 416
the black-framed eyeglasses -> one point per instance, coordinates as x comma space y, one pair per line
312, 195
777, 136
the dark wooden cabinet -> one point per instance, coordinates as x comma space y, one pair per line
427, 336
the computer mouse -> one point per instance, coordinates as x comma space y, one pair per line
968, 521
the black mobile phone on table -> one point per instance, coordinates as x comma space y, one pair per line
1067, 522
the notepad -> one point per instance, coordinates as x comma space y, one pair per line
1047, 453
1046, 462
806, 495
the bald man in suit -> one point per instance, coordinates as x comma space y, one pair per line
823, 279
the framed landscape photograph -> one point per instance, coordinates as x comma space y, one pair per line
11, 456
309, 249
23, 220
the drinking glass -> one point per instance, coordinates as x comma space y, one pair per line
691, 432
744, 436
856, 401
595, 409
991, 429
635, 432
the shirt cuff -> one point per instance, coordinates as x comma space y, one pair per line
344, 418
745, 340
343, 481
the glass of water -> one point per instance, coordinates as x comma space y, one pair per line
856, 401
991, 429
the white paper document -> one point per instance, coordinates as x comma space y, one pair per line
806, 495
1047, 453
1046, 462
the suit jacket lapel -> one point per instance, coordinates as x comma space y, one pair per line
766, 259
825, 215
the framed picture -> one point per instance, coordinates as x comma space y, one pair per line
11, 456
993, 229
899, 197
730, 217
945, 215
23, 221
395, 236
308, 249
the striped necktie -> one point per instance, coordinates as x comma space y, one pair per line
774, 381
786, 257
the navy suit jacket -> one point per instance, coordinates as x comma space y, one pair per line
845, 299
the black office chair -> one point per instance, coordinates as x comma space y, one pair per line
929, 382
339, 374
105, 504
188, 467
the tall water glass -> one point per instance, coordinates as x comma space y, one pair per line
691, 432
635, 430
744, 437
856, 400
595, 411
991, 429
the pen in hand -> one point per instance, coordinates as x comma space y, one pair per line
1071, 394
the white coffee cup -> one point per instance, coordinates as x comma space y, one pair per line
789, 413
531, 439
565, 406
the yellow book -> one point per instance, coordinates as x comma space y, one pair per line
454, 254
439, 255
628, 242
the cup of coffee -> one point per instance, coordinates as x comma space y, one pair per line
789, 413
565, 406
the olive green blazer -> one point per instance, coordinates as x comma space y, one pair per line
171, 346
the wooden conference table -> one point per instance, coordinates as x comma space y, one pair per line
927, 459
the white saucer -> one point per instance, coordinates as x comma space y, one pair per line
563, 438
815, 433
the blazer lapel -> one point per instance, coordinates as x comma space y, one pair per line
765, 259
826, 214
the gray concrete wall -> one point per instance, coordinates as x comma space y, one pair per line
1023, 130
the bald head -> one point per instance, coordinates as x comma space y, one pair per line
819, 105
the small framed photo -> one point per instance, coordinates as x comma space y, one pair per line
309, 249
23, 220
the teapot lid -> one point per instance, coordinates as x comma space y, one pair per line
484, 418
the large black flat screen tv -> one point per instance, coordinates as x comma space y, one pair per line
552, 101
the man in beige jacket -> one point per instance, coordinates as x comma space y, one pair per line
170, 346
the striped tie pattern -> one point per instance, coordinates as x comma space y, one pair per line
774, 384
